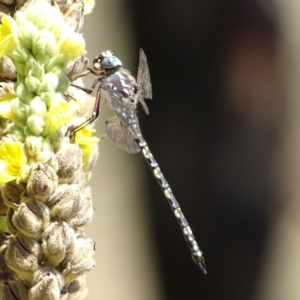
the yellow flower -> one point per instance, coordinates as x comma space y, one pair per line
58, 114
8, 35
72, 45
87, 143
88, 6
5, 107
12, 161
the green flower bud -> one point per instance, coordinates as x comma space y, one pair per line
20, 78
27, 131
48, 97
20, 108
23, 94
40, 19
20, 67
27, 31
47, 145
18, 132
21, 55
35, 124
50, 83
20, 17
56, 28
44, 43
38, 107
35, 68
20, 58
42, 58
34, 144
32, 83
57, 65
52, 80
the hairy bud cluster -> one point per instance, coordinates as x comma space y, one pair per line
46, 248
44, 198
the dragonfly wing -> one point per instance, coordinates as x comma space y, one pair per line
144, 105
120, 135
143, 78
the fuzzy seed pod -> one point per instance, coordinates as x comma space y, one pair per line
44, 198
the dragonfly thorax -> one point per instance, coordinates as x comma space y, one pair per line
121, 85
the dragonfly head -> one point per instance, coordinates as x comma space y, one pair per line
107, 62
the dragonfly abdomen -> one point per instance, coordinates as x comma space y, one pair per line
196, 253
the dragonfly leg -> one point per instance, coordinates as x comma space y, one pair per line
95, 113
88, 90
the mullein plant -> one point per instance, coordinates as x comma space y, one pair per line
45, 201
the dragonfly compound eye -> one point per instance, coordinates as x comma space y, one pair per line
111, 62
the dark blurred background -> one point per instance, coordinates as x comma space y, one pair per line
216, 128
213, 127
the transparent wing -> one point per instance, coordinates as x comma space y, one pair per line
144, 81
144, 105
120, 135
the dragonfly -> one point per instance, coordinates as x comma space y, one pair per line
123, 92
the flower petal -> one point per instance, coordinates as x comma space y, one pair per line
12, 161
72, 45
8, 35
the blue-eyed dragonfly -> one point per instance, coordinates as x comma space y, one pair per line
124, 93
